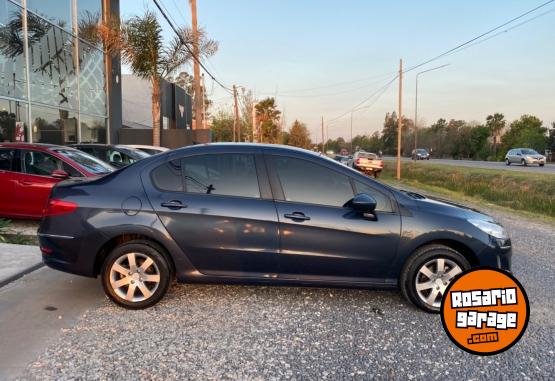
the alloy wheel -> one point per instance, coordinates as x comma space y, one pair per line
433, 278
134, 277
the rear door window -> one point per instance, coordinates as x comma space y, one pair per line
6, 159
222, 174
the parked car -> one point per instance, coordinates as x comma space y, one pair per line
367, 162
524, 156
151, 150
345, 160
29, 171
116, 155
260, 213
420, 154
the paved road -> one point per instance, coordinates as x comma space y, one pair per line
35, 310
258, 332
548, 168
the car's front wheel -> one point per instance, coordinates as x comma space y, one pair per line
427, 274
136, 275
523, 162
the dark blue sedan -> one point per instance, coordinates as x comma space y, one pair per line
260, 213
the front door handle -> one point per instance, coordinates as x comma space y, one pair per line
23, 182
173, 204
297, 216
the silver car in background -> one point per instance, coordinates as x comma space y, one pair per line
524, 156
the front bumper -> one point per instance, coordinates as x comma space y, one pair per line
497, 254
535, 161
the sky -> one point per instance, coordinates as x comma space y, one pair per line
320, 58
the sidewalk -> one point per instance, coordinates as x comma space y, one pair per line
17, 260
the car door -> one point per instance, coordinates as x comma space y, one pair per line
219, 210
8, 178
319, 237
35, 181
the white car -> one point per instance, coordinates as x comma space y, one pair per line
524, 156
151, 150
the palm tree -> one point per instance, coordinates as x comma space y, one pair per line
140, 44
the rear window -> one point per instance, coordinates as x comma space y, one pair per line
367, 155
167, 177
88, 162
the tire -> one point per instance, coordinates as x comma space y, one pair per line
377, 174
507, 162
523, 162
413, 273
541, 165
118, 267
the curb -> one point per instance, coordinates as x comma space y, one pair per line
20, 274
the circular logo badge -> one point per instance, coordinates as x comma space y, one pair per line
485, 311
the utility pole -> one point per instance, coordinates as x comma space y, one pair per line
400, 119
254, 136
323, 141
416, 119
236, 126
352, 133
203, 87
196, 67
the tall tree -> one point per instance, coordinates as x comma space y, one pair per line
140, 44
299, 136
496, 124
222, 127
267, 116
526, 132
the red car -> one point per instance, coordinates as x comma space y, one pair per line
29, 171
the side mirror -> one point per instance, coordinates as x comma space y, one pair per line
59, 174
362, 203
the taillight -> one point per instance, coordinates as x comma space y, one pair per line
59, 207
357, 161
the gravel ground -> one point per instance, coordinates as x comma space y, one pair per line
260, 332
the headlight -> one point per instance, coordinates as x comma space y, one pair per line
490, 228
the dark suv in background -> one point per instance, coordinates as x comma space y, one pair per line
260, 213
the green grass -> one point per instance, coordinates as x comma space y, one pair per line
531, 192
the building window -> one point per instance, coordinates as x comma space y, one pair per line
53, 71
53, 126
93, 129
12, 58
56, 12
91, 80
13, 121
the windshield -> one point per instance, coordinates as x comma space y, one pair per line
88, 162
529, 152
421, 150
134, 153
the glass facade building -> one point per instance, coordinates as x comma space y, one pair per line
53, 72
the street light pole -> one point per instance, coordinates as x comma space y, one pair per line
416, 106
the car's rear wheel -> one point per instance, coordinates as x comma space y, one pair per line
135, 275
427, 274
507, 162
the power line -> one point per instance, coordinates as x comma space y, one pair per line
379, 91
186, 45
478, 37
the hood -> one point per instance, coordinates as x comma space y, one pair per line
443, 206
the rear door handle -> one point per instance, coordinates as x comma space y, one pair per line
297, 216
22, 182
173, 204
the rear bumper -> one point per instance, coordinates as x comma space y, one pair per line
66, 254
